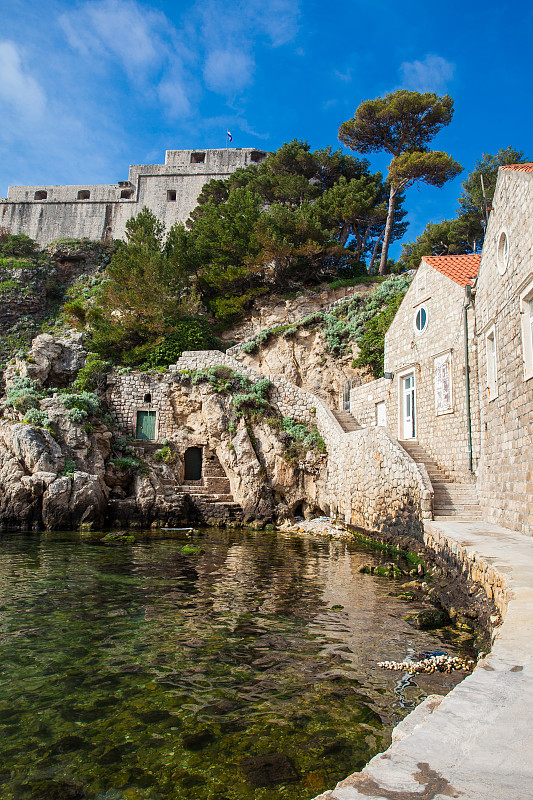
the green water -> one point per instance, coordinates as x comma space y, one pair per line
248, 671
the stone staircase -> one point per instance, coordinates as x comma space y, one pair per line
346, 420
451, 500
210, 498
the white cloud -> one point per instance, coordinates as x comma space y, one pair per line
117, 28
432, 74
228, 71
229, 35
19, 91
144, 44
172, 94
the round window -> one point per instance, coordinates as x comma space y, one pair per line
502, 253
421, 319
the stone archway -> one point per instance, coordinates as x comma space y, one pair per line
193, 464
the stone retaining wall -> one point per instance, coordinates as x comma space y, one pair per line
372, 482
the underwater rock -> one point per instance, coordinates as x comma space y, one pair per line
269, 769
197, 741
69, 743
55, 790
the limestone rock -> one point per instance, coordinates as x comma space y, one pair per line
51, 361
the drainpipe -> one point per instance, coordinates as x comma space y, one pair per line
466, 306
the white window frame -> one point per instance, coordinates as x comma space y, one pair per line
401, 375
526, 324
491, 356
417, 310
502, 251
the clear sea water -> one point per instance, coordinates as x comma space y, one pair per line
247, 671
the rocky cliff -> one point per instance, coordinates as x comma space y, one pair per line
64, 462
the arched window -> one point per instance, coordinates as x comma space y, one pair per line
40, 195
421, 319
84, 194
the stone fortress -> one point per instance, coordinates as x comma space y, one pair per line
169, 190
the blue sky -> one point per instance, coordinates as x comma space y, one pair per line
88, 88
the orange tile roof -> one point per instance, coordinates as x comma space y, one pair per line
519, 167
461, 269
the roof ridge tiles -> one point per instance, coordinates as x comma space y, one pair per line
461, 269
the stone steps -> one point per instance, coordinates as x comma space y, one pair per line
346, 420
451, 500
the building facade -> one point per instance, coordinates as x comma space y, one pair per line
169, 190
504, 335
459, 361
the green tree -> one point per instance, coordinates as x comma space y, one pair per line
465, 233
402, 123
471, 199
450, 237
146, 291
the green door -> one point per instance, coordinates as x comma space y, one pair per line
145, 425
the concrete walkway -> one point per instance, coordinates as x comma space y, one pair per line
477, 742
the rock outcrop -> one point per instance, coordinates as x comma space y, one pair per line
62, 468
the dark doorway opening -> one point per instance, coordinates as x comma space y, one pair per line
193, 464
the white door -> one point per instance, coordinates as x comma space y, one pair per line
381, 414
408, 406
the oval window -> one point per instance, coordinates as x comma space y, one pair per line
503, 252
421, 319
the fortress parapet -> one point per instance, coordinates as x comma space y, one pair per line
100, 212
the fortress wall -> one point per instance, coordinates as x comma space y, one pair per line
62, 214
46, 221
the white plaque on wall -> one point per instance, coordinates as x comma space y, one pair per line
443, 384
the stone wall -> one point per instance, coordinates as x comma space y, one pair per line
126, 396
505, 481
365, 397
442, 434
371, 481
103, 215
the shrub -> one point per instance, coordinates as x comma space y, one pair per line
255, 398
126, 462
189, 334
23, 394
36, 418
309, 437
166, 455
69, 468
77, 415
88, 376
84, 401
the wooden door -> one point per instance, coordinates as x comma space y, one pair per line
145, 425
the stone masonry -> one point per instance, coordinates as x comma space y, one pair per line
505, 480
443, 434
169, 190
372, 482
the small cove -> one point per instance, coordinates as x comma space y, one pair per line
248, 671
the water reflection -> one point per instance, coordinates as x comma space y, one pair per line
245, 672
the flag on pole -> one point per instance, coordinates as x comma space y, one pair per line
230, 137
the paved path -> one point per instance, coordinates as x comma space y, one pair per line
477, 742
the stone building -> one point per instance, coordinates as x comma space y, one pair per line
458, 388
170, 190
423, 397
503, 303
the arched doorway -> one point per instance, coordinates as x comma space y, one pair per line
193, 464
